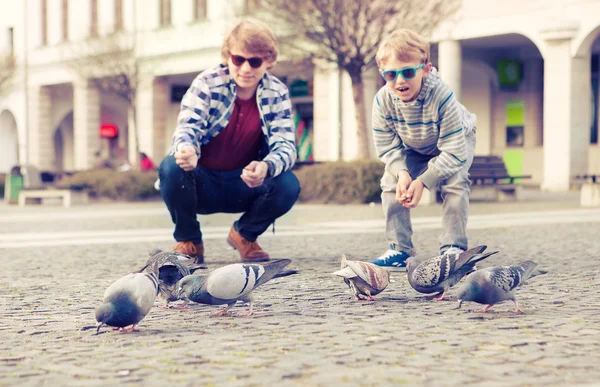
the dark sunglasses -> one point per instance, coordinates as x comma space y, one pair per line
407, 73
239, 60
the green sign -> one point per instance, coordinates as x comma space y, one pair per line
509, 72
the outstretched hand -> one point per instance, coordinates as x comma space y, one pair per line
254, 173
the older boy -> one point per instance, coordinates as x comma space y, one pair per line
426, 138
233, 147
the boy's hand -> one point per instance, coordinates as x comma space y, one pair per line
186, 158
415, 192
404, 181
254, 173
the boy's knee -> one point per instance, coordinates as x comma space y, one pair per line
288, 186
168, 168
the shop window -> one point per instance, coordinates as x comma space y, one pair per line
65, 20
118, 15
200, 10
165, 13
93, 18
44, 22
515, 123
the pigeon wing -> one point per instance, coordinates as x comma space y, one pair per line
375, 276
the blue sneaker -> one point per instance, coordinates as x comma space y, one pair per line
392, 258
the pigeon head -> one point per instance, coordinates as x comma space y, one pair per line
411, 264
470, 291
189, 283
104, 314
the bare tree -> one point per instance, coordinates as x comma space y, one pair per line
111, 64
348, 33
7, 71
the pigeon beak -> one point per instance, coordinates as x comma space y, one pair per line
98, 327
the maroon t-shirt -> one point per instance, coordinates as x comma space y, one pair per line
238, 143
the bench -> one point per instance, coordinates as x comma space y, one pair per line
590, 190
489, 181
68, 196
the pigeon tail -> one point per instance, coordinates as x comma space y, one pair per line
466, 256
528, 266
272, 269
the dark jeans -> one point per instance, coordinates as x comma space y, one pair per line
204, 191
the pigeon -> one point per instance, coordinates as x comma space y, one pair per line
438, 274
495, 284
228, 284
128, 300
172, 267
363, 278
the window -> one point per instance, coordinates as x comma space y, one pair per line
44, 22
251, 5
200, 10
65, 20
11, 40
165, 12
93, 18
118, 15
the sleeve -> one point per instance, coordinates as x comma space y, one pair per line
282, 137
192, 120
451, 142
388, 143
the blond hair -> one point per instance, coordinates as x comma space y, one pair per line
405, 45
254, 37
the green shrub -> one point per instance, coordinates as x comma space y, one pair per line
341, 182
129, 185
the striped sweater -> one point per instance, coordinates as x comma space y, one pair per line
206, 109
435, 123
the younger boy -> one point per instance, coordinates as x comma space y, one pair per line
426, 138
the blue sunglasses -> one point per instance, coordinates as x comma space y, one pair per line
407, 73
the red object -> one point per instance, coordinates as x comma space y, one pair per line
108, 131
238, 143
146, 164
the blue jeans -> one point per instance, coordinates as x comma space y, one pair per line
455, 193
204, 191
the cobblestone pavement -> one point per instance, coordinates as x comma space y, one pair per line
307, 329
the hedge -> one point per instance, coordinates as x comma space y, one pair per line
334, 182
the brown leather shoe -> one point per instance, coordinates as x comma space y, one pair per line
195, 251
249, 251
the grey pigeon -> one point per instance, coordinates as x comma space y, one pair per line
228, 284
363, 278
438, 274
128, 300
495, 284
172, 267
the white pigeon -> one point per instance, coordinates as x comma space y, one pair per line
228, 284
363, 278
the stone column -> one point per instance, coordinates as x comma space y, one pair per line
450, 64
152, 106
567, 93
326, 112
86, 122
41, 133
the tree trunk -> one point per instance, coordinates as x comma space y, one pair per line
361, 122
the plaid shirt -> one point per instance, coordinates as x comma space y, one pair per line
207, 105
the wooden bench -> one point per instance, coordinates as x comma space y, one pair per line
68, 196
590, 190
490, 181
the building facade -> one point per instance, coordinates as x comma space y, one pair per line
529, 71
